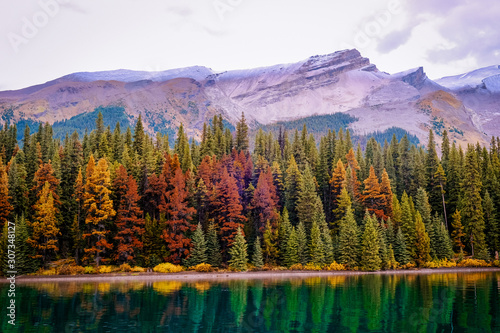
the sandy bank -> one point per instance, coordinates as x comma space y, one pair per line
224, 276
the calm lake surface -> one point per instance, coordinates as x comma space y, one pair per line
451, 302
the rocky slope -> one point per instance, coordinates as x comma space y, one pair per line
340, 82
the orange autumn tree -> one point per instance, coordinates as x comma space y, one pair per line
178, 219
98, 209
373, 200
228, 208
5, 206
44, 226
264, 202
386, 192
129, 221
45, 173
352, 181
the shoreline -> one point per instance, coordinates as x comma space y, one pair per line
227, 276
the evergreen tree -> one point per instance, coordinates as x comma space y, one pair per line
302, 250
214, 256
374, 200
400, 248
154, 246
407, 223
471, 206
242, 134
306, 204
198, 253
457, 234
291, 253
270, 242
370, 259
257, 259
25, 262
293, 183
491, 223
422, 244
238, 252
349, 246
316, 247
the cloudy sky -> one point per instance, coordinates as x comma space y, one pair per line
45, 39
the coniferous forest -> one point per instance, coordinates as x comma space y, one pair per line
121, 197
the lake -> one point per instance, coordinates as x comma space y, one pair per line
444, 302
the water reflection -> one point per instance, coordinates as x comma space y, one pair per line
359, 303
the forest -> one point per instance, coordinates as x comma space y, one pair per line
123, 197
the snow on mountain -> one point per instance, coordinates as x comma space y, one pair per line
125, 75
474, 79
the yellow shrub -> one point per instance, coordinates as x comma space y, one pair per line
409, 265
168, 268
473, 263
296, 267
202, 268
496, 263
335, 267
125, 268
138, 269
312, 267
50, 271
89, 270
76, 270
105, 269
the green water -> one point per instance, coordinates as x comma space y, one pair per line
465, 302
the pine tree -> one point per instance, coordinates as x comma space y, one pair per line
408, 223
238, 252
471, 206
326, 238
337, 184
302, 249
270, 244
307, 198
214, 256
291, 253
444, 250
293, 181
257, 259
198, 253
400, 248
25, 263
370, 259
422, 243
154, 246
242, 134
386, 192
457, 234
316, 248
491, 223
349, 246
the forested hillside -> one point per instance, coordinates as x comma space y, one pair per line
120, 196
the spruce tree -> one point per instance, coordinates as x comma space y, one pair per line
316, 248
348, 241
238, 252
471, 206
302, 244
400, 248
307, 198
198, 253
257, 259
291, 253
285, 229
270, 244
422, 242
491, 223
457, 234
370, 258
214, 256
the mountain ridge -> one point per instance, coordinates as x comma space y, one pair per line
343, 81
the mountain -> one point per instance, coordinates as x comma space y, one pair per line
312, 89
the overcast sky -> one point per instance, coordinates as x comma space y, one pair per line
45, 39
